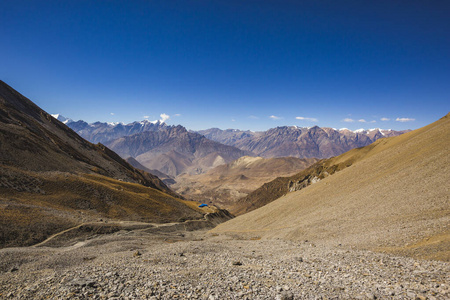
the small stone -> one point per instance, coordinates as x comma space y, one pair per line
287, 296
137, 253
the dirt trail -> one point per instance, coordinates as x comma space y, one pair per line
88, 230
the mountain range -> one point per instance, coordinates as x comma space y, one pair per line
99, 132
173, 150
301, 142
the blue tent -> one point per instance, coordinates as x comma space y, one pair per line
203, 205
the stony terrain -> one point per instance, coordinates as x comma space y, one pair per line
141, 264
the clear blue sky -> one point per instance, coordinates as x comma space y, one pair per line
250, 64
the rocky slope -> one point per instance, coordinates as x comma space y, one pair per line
137, 264
173, 150
225, 184
393, 197
297, 141
164, 177
51, 178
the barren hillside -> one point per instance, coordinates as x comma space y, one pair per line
394, 197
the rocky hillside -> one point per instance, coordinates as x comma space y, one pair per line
164, 177
297, 141
391, 196
225, 184
51, 178
174, 150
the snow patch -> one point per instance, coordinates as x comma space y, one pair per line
114, 123
359, 130
61, 118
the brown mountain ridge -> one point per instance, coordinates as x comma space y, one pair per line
51, 179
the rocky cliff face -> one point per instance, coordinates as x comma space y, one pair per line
299, 142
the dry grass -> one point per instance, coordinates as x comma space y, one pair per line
60, 200
394, 196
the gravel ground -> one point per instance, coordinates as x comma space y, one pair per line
196, 265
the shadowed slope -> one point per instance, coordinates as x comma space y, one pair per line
51, 179
392, 198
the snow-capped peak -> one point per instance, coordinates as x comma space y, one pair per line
61, 118
361, 130
114, 123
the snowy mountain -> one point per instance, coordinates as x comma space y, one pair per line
99, 132
61, 118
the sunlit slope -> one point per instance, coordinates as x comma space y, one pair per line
394, 197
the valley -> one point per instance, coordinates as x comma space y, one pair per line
79, 221
197, 164
226, 185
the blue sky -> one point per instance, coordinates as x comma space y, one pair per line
232, 64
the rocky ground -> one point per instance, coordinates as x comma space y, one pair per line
143, 264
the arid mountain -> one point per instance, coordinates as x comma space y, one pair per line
297, 141
51, 178
173, 150
225, 184
390, 196
99, 132
164, 177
